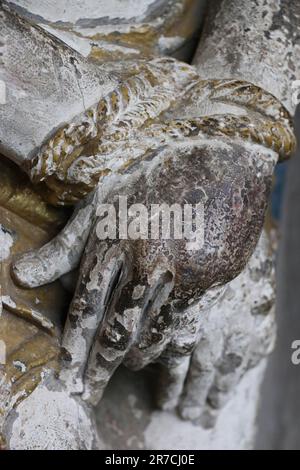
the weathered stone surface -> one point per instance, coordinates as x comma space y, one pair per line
47, 84
155, 133
257, 41
118, 30
136, 424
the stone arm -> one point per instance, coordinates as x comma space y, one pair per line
257, 41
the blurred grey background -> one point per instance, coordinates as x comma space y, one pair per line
279, 414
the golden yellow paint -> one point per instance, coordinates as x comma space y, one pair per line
30, 341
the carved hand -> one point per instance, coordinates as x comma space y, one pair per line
133, 297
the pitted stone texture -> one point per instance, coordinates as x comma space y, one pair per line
135, 423
50, 419
257, 41
47, 84
119, 29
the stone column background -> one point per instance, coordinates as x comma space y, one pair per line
279, 415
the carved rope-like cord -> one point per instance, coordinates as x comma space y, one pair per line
134, 118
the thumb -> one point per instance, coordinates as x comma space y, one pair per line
60, 256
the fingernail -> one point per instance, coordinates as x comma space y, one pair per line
23, 271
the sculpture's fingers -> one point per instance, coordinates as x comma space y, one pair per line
199, 381
177, 357
99, 286
157, 324
61, 255
209, 387
229, 371
218, 396
120, 329
171, 381
110, 347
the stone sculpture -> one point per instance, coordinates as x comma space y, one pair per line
96, 111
